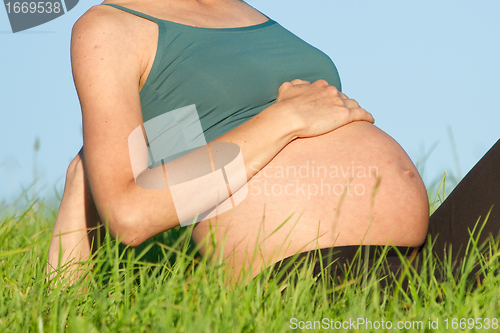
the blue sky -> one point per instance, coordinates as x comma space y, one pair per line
422, 68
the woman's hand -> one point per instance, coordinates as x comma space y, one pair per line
318, 108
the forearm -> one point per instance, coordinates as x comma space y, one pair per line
261, 138
156, 210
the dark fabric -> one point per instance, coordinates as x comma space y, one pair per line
449, 232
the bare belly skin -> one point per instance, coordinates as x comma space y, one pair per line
352, 186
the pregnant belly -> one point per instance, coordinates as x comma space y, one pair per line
352, 186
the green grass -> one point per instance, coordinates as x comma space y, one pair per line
164, 286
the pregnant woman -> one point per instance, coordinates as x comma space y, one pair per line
312, 156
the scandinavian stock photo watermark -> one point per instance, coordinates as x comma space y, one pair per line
170, 150
310, 179
382, 324
24, 15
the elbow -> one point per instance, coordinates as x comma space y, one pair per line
128, 228
133, 219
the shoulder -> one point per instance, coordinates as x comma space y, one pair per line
96, 28
105, 55
115, 32
98, 21
103, 32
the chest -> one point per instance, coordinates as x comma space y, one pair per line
232, 70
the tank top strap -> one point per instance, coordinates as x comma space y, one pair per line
146, 16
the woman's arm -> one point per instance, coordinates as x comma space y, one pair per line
107, 70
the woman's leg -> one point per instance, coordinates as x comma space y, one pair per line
469, 202
77, 224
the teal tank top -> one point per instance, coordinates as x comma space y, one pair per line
230, 74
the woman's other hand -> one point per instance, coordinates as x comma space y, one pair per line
318, 108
